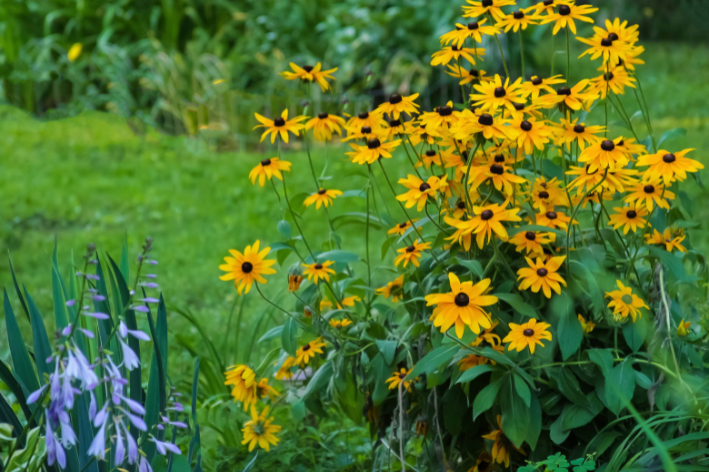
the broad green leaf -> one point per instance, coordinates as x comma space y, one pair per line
575, 416
379, 373
569, 329
604, 441
433, 360
603, 358
556, 433
522, 389
672, 263
569, 386
455, 403
8, 416
388, 350
670, 134
319, 380
486, 398
472, 265
620, 384
42, 348
18, 351
519, 305
289, 336
535, 423
272, 333
515, 413
285, 229
642, 380
471, 374
634, 333
591, 284
337, 255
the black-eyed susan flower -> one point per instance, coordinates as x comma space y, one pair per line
488, 336
629, 217
305, 353
455, 53
470, 361
474, 30
325, 305
317, 271
467, 75
501, 176
310, 74
542, 275
483, 463
604, 155
528, 334
324, 125
494, 94
418, 135
244, 268
485, 220
547, 194
440, 118
501, 446
462, 306
401, 228
574, 132
574, 98
267, 169
280, 126
260, 430
566, 14
518, 19
671, 240
586, 325
411, 253
615, 80
339, 324
490, 127
393, 289
420, 191
264, 390
348, 302
650, 193
536, 85
244, 384
284, 372
668, 166
624, 302
372, 119
554, 219
683, 328
322, 197
375, 148
549, 6
531, 242
494, 7
632, 148
396, 105
294, 281
587, 179
396, 128
606, 46
618, 31
397, 378
365, 133
530, 133
429, 158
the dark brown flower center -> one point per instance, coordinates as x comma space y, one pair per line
528, 332
606, 42
497, 169
485, 119
649, 189
564, 90
411, 249
445, 110
322, 191
631, 214
424, 186
579, 129
526, 125
474, 72
543, 194
395, 98
306, 347
462, 299
519, 106
266, 162
373, 143
518, 15
461, 204
530, 236
537, 81
543, 184
307, 68
548, 2
318, 266
608, 145
608, 76
363, 116
542, 272
486, 215
473, 25
322, 115
551, 215
366, 130
247, 267
279, 122
499, 158
669, 158
500, 92
564, 10
613, 36
395, 123
403, 225
430, 153
487, 3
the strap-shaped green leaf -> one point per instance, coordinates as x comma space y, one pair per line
18, 351
9, 416
16, 389
156, 399
195, 442
42, 348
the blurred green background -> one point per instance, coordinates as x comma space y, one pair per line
149, 131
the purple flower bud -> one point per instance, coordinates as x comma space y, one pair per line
137, 421
100, 418
93, 277
163, 447
78, 274
34, 396
151, 276
70, 302
67, 330
98, 298
132, 446
96, 315
132, 292
179, 424
141, 308
150, 285
134, 406
139, 334
92, 406
98, 445
123, 329
144, 465
68, 436
160, 427
152, 262
120, 447
130, 359
149, 300
86, 332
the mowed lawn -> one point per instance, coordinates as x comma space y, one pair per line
92, 179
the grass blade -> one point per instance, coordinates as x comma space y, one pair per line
42, 348
18, 351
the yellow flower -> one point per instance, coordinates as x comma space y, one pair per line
604, 155
490, 127
325, 305
517, 20
587, 179
441, 118
372, 119
486, 219
572, 131
419, 191
575, 98
400, 229
530, 133
586, 325
349, 301
74, 52
318, 271
294, 282
264, 390
322, 197
310, 74
393, 289
324, 125
474, 29
260, 430
454, 53
244, 268
630, 217
339, 324
467, 76
603, 45
548, 6
267, 169
284, 372
683, 328
398, 378
411, 253
554, 219
471, 361
542, 275
616, 80
281, 125
244, 381
536, 85
527, 335
567, 14
649, 194
483, 463
500, 452
531, 242
667, 239
307, 352
493, 95
373, 150
462, 306
668, 166
625, 303
494, 7
398, 105
501, 175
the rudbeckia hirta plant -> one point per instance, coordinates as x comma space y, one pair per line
542, 275
280, 126
308, 73
527, 335
625, 303
248, 267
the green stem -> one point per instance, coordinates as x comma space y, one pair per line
568, 56
521, 50
502, 55
295, 217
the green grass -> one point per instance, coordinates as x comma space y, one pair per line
92, 179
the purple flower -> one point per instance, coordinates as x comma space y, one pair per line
151, 276
97, 315
134, 406
98, 298
55, 451
132, 447
98, 445
130, 359
120, 447
92, 406
100, 418
137, 421
86, 332
163, 447
144, 465
150, 285
68, 435
34, 396
149, 300
141, 308
67, 330
93, 277
152, 262
70, 302
124, 331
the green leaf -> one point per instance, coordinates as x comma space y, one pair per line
195, 442
272, 333
433, 360
337, 255
472, 265
455, 403
620, 384
515, 413
16, 389
288, 336
18, 351
604, 441
58, 294
575, 416
672, 263
9, 416
486, 398
125, 264
603, 358
156, 398
569, 386
319, 380
285, 229
85, 434
388, 350
591, 283
569, 329
471, 374
42, 348
634, 333
535, 423
671, 134
556, 433
519, 305
522, 389
642, 380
